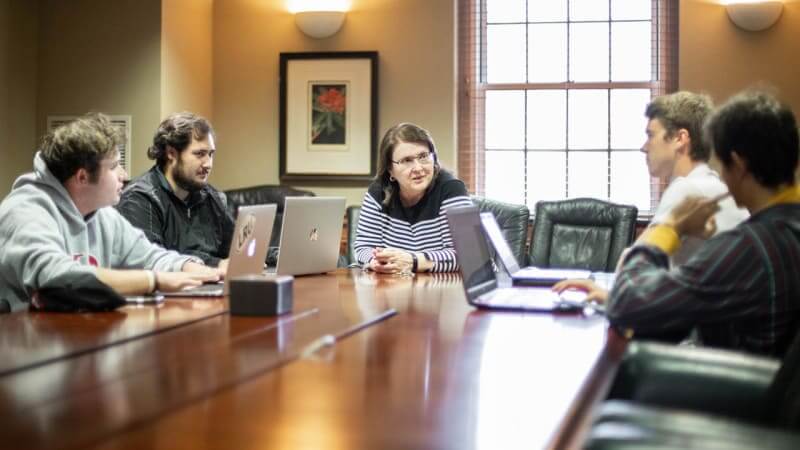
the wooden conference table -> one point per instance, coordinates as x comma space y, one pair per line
413, 366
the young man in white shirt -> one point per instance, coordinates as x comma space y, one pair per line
676, 150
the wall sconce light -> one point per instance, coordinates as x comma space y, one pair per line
319, 24
754, 15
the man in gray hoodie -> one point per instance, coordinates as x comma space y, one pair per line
56, 223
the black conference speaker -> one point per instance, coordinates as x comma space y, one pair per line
260, 295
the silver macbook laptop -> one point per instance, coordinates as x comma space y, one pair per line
248, 250
311, 234
528, 276
479, 275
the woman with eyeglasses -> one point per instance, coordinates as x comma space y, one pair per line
402, 227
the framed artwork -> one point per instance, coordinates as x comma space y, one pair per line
328, 116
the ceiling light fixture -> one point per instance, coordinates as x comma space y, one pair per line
754, 15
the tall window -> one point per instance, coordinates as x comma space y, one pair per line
553, 95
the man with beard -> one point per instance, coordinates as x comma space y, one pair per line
172, 202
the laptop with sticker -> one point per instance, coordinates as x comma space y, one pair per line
248, 250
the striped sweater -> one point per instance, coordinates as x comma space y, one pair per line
420, 228
741, 289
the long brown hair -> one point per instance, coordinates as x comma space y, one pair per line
410, 134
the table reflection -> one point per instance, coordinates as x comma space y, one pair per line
513, 382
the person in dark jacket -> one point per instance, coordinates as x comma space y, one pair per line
172, 202
740, 289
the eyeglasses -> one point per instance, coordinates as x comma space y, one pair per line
423, 158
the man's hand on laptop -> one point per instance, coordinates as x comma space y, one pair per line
210, 274
593, 292
175, 281
222, 268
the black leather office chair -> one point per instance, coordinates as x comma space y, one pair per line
581, 233
258, 195
513, 221
353, 211
682, 397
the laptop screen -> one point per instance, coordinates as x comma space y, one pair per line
312, 230
499, 243
472, 251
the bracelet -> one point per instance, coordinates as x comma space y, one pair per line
151, 281
414, 262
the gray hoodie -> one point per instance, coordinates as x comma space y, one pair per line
44, 236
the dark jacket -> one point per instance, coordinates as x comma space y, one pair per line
201, 226
740, 289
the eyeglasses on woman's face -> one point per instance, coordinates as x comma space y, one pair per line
424, 158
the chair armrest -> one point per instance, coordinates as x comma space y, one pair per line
622, 425
700, 379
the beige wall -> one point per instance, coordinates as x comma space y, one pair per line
415, 44
719, 58
186, 57
220, 58
18, 51
98, 55
5, 107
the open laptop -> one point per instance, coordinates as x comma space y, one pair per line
311, 234
528, 276
479, 275
248, 250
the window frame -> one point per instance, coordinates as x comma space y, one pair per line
472, 85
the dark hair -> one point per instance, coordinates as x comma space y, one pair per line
410, 134
762, 131
176, 131
684, 110
80, 144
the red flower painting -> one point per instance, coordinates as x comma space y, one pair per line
332, 100
329, 113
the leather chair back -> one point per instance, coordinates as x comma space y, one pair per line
513, 221
783, 396
581, 233
353, 212
263, 194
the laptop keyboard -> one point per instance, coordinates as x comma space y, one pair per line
539, 299
205, 290
521, 298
